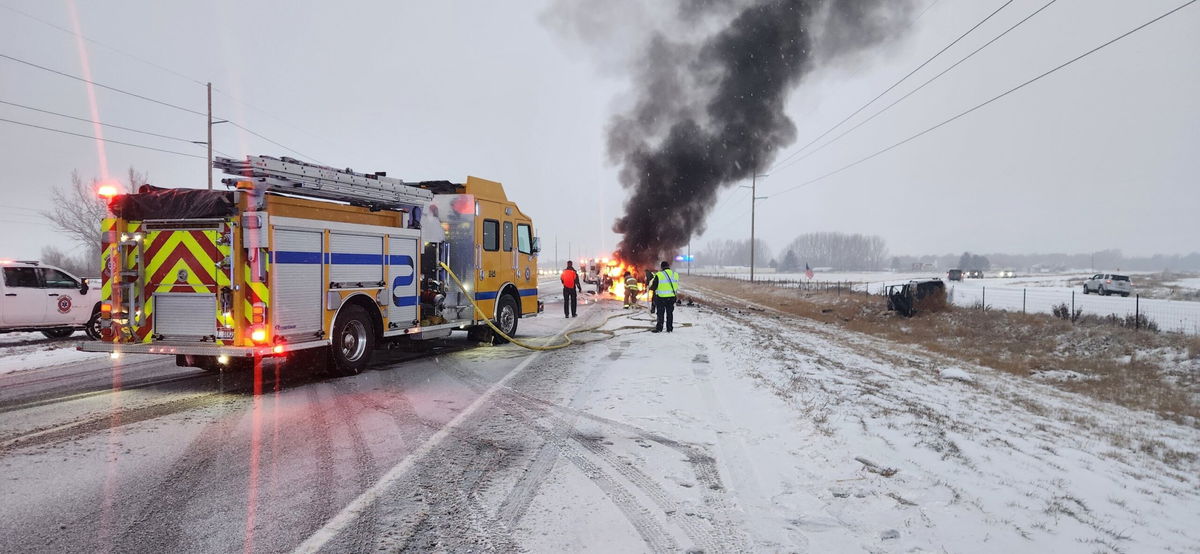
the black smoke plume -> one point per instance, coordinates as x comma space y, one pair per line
709, 108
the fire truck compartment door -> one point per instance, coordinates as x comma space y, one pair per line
402, 280
355, 259
296, 283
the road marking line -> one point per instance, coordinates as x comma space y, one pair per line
355, 508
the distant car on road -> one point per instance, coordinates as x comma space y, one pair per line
954, 275
974, 274
44, 298
1006, 273
1105, 284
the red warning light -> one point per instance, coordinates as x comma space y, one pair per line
107, 192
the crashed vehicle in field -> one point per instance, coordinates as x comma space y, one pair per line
908, 299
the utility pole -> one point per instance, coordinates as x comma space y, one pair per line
208, 143
754, 198
689, 258
209, 169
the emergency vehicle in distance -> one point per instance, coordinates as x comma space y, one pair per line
302, 257
39, 297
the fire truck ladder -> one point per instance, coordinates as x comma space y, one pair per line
290, 176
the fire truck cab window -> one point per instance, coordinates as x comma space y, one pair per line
491, 235
24, 277
56, 279
523, 240
508, 236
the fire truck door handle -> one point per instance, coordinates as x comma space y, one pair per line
52, 294
10, 294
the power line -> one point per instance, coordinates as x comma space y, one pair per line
101, 44
114, 89
889, 89
96, 122
160, 67
130, 129
915, 90
148, 99
989, 101
235, 124
144, 147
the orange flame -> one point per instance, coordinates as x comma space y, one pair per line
616, 270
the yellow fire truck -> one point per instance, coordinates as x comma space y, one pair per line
297, 257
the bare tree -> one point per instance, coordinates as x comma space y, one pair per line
77, 209
734, 252
840, 250
82, 265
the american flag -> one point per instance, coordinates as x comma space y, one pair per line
808, 271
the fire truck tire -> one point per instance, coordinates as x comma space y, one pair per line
507, 314
207, 363
59, 333
353, 341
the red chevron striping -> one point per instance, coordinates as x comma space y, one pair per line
181, 252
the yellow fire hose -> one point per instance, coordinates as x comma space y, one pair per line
497, 330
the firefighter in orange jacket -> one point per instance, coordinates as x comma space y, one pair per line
571, 290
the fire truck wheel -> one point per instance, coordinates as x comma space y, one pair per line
353, 341
507, 314
207, 363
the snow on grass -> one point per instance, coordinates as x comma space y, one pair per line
955, 373
1003, 464
1062, 375
824, 440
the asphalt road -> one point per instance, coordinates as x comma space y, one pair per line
141, 456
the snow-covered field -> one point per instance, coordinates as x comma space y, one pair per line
984, 461
1034, 294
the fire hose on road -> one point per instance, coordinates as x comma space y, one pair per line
488, 321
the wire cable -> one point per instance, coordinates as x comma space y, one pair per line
31, 108
913, 91
101, 44
148, 99
153, 64
889, 89
142, 146
989, 101
114, 89
239, 126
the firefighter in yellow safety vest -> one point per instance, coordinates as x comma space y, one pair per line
665, 285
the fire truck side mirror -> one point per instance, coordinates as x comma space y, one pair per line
537, 245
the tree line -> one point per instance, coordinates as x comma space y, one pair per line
825, 249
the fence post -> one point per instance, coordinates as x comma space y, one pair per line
1023, 291
1137, 312
983, 303
1072, 314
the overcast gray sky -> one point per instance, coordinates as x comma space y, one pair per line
1099, 155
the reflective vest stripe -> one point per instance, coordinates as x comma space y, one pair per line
667, 283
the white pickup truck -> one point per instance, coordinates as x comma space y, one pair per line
37, 297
